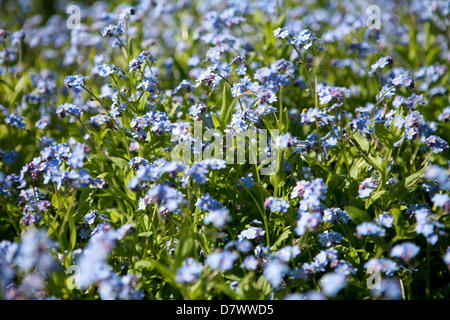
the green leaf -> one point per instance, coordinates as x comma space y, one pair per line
84, 203
361, 142
384, 135
275, 180
73, 233
358, 216
285, 235
143, 264
281, 21
268, 124
121, 194
319, 170
173, 109
218, 122
402, 186
364, 147
373, 197
185, 248
20, 86
143, 101
120, 162
227, 99
145, 234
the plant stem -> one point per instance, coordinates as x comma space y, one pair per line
263, 215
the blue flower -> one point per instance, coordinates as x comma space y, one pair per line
197, 109
440, 175
247, 181
380, 64
388, 266
276, 204
148, 84
207, 202
369, 228
85, 234
16, 120
335, 215
250, 263
312, 192
403, 81
166, 196
405, 251
330, 238
241, 70
105, 70
200, 170
367, 187
282, 33
252, 233
189, 272
428, 225
238, 89
76, 160
286, 253
329, 94
67, 107
399, 121
308, 221
35, 251
186, 85
94, 268
389, 289
345, 268
111, 30
440, 200
146, 56
411, 132
284, 140
90, 217
332, 282
98, 120
385, 220
437, 144
446, 257
274, 271
221, 260
218, 217
323, 258
9, 157
75, 82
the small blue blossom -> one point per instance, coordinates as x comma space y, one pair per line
276, 204
218, 217
332, 282
75, 82
380, 64
197, 109
370, 228
385, 220
221, 260
250, 263
16, 120
247, 181
148, 84
330, 238
274, 271
252, 233
405, 251
189, 272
